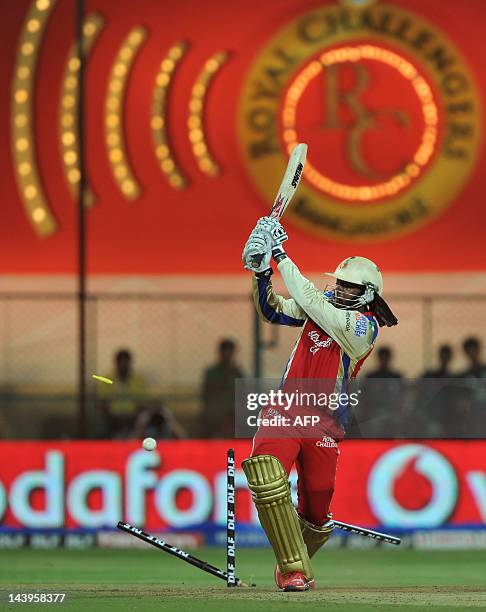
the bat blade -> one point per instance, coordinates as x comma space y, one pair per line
288, 187
290, 181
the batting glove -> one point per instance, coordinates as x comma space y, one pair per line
257, 251
274, 228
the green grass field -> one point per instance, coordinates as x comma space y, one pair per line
362, 580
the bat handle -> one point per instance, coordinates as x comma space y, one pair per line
256, 260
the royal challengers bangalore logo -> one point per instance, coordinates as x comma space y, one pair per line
388, 107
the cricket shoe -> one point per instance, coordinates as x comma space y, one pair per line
293, 581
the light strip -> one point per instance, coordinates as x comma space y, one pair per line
195, 125
22, 117
68, 117
158, 121
122, 172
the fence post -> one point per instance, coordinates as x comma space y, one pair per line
257, 345
427, 324
79, 22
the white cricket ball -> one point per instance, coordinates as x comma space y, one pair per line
149, 444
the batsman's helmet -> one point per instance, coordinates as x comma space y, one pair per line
366, 274
359, 271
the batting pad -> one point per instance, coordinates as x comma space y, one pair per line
270, 489
314, 536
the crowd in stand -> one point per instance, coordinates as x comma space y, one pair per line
126, 409
439, 403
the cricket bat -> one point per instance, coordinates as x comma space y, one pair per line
288, 187
290, 181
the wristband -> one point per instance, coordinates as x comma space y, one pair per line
278, 254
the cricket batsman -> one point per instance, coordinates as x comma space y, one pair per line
339, 329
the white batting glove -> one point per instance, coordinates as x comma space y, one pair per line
257, 251
274, 228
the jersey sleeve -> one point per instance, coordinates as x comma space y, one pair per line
354, 332
274, 308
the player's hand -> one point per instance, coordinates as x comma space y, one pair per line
274, 228
257, 251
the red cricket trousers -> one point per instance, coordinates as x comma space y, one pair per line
316, 462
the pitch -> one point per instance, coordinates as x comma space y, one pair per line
348, 580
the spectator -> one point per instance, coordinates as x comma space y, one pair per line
381, 408
445, 358
218, 394
458, 415
384, 370
472, 348
121, 402
158, 423
473, 409
436, 398
455, 407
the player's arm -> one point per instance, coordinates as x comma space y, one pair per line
355, 333
271, 307
274, 308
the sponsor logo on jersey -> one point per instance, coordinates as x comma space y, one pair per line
270, 412
327, 442
361, 325
314, 336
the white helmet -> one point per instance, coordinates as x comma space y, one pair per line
360, 271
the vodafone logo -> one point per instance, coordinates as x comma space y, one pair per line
433, 476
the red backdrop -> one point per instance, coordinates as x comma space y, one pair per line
203, 228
